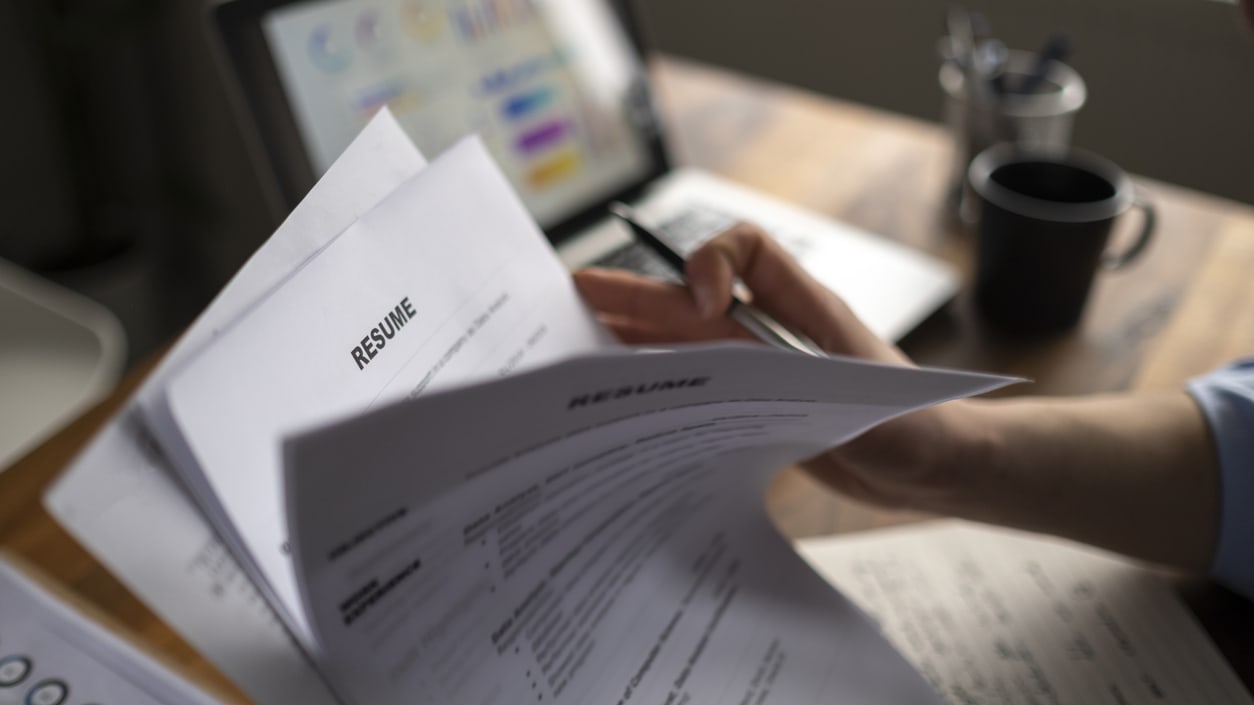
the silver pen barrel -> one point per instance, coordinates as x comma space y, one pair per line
761, 325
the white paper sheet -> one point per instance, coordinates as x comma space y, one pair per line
594, 532
447, 280
122, 504
994, 616
51, 648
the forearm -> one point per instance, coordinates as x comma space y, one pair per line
1137, 475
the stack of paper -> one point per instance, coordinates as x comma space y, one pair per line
123, 502
51, 652
398, 460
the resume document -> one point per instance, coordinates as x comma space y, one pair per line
451, 485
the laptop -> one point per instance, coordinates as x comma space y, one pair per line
559, 93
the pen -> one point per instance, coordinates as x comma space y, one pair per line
756, 321
1056, 49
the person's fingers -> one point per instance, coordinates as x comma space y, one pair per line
778, 283
665, 308
629, 295
782, 288
745, 251
634, 332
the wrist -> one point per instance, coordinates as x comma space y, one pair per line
964, 475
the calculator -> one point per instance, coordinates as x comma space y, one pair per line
52, 654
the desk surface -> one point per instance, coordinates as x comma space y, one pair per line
1184, 308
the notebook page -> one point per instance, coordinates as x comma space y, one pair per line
994, 616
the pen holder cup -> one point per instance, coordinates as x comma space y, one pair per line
978, 120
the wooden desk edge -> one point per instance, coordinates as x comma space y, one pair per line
33, 536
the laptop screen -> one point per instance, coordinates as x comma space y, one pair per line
553, 87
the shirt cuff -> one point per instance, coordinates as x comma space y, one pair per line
1226, 398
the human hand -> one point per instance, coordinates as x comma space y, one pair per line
1042, 464
911, 461
643, 310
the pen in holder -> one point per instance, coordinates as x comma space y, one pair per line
1009, 96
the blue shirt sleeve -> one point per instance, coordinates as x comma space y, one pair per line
1226, 398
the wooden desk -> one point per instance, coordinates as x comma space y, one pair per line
1186, 307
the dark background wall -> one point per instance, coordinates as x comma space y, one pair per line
125, 174
1170, 82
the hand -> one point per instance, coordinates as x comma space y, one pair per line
642, 310
905, 462
1136, 474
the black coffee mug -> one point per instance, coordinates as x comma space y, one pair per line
1044, 219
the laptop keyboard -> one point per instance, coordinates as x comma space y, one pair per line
686, 231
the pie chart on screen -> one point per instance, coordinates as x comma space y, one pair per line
326, 51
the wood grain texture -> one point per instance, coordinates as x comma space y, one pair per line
1215, 320
1184, 308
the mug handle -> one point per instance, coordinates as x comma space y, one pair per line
1140, 200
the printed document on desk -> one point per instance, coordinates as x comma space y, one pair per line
999, 617
121, 502
594, 531
447, 280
